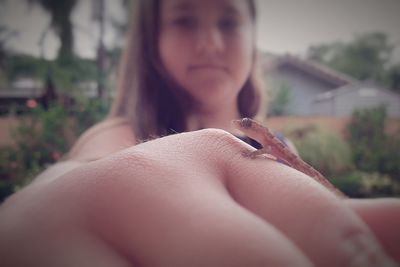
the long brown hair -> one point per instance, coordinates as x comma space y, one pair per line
152, 102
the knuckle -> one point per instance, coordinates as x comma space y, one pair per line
222, 147
218, 139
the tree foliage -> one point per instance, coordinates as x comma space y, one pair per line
373, 150
324, 150
60, 12
65, 74
281, 98
41, 138
5, 36
367, 57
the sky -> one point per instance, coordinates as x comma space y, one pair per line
284, 26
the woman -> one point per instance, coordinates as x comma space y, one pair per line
188, 199
176, 77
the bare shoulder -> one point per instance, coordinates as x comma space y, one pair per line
102, 139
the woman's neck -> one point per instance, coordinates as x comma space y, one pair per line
219, 118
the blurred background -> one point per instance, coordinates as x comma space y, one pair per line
331, 67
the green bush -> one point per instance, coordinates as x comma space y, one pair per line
361, 185
372, 149
379, 185
367, 138
367, 164
64, 73
325, 151
391, 157
41, 139
351, 184
8, 171
281, 97
375, 156
87, 113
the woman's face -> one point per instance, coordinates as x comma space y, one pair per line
207, 47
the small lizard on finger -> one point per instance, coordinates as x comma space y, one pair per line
274, 149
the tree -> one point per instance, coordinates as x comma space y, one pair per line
107, 58
367, 57
281, 97
5, 36
60, 12
99, 13
373, 150
393, 77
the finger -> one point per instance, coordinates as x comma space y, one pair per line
383, 218
328, 232
163, 215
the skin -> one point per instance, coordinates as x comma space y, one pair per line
215, 40
138, 207
383, 217
190, 199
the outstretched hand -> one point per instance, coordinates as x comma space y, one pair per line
189, 199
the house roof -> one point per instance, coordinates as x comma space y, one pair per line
26, 93
310, 67
31, 88
363, 88
23, 88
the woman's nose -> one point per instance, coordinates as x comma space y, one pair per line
210, 40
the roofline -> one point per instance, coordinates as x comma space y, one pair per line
345, 89
313, 68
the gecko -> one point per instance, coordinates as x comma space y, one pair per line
274, 149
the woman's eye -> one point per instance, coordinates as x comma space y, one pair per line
228, 24
185, 22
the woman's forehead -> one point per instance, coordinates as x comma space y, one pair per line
227, 6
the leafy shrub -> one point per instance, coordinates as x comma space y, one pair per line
64, 73
391, 157
367, 165
324, 150
41, 138
40, 141
379, 185
87, 113
281, 97
8, 168
351, 184
372, 149
362, 184
367, 138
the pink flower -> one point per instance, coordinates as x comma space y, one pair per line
31, 103
56, 155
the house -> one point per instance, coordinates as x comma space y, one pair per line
16, 99
316, 90
313, 89
304, 80
25, 93
342, 101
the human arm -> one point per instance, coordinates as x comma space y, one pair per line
186, 200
